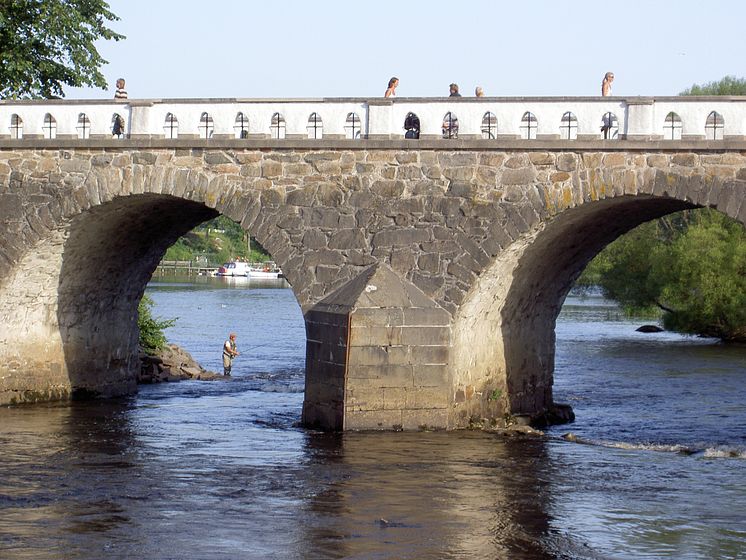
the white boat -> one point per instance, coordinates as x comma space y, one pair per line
234, 268
252, 270
266, 270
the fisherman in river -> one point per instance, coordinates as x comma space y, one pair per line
229, 352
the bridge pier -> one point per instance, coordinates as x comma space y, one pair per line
377, 357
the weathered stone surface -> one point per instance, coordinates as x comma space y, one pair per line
461, 233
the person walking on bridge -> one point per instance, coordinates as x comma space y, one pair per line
606, 84
230, 351
391, 90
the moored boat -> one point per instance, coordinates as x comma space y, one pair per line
252, 270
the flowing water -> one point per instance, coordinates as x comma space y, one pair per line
222, 469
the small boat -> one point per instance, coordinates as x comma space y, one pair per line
266, 270
234, 268
252, 270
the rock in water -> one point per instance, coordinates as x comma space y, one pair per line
649, 329
171, 363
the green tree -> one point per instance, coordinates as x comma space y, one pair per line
703, 279
45, 44
730, 85
152, 337
689, 267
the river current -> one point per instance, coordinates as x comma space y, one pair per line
222, 469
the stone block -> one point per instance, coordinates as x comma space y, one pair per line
375, 336
428, 283
426, 355
407, 172
373, 420
686, 160
394, 398
325, 392
430, 375
517, 162
522, 176
376, 376
348, 239
324, 351
271, 169
424, 419
567, 162
614, 160
387, 188
381, 356
400, 237
377, 317
426, 336
426, 398
457, 159
459, 174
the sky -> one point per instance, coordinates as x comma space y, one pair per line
302, 48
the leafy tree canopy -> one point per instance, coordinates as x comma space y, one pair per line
690, 266
45, 44
730, 85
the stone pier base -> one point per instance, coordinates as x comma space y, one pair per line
377, 357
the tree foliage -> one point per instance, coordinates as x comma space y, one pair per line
730, 85
690, 266
219, 240
152, 337
46, 44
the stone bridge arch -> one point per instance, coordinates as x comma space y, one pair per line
396, 256
517, 299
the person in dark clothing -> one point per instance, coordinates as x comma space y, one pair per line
454, 90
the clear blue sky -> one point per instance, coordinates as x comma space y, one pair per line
302, 48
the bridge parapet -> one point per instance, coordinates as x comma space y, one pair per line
489, 118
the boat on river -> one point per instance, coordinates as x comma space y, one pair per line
267, 270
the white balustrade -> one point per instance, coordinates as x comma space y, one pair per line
637, 118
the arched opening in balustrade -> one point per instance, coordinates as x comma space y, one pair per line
241, 126
49, 128
171, 127
353, 127
83, 127
529, 126
206, 126
315, 127
16, 127
609, 126
569, 126
489, 126
450, 125
277, 127
412, 126
714, 126
672, 127
117, 125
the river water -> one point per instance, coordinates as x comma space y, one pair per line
222, 469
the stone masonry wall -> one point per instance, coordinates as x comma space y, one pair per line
443, 220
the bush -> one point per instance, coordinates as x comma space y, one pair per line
152, 337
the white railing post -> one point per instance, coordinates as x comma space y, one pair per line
380, 119
639, 121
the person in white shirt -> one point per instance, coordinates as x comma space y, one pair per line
391, 90
606, 84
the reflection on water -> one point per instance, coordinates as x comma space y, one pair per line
221, 470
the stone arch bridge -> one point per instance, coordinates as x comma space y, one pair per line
430, 274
